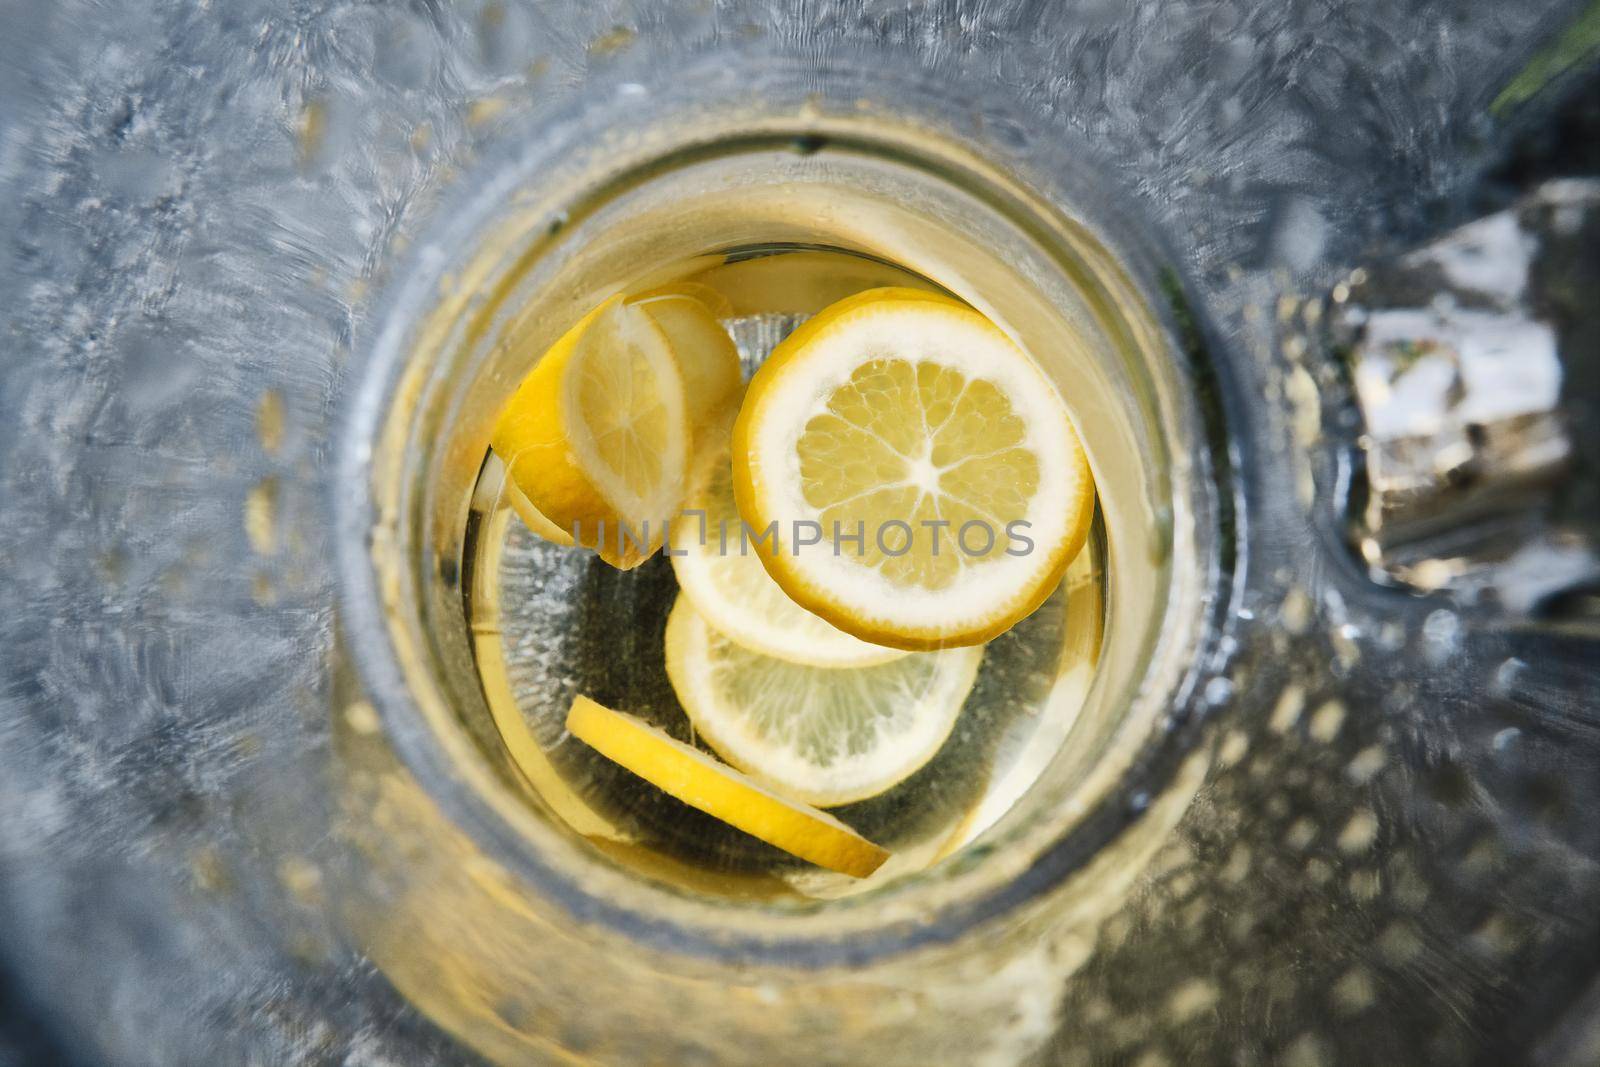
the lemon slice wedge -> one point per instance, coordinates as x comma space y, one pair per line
721, 573
706, 356
600, 430
535, 519
912, 422
720, 791
718, 305
598, 434
827, 736
494, 489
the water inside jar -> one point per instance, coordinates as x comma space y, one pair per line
550, 623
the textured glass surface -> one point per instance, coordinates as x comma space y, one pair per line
1395, 858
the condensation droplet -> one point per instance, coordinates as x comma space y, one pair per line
1359, 833
1305, 406
612, 41
1237, 869
261, 516
210, 875
311, 131
1365, 765
1365, 884
1327, 720
1354, 992
269, 421
1301, 833
1295, 614
486, 109
362, 718
1190, 999
301, 878
1291, 702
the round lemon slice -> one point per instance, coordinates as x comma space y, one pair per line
827, 736
720, 571
722, 792
933, 457
598, 435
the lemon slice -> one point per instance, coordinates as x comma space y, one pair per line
913, 421
719, 571
823, 735
706, 356
599, 433
494, 488
719, 306
535, 519
722, 792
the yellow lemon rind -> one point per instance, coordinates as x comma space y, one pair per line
721, 791
750, 496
